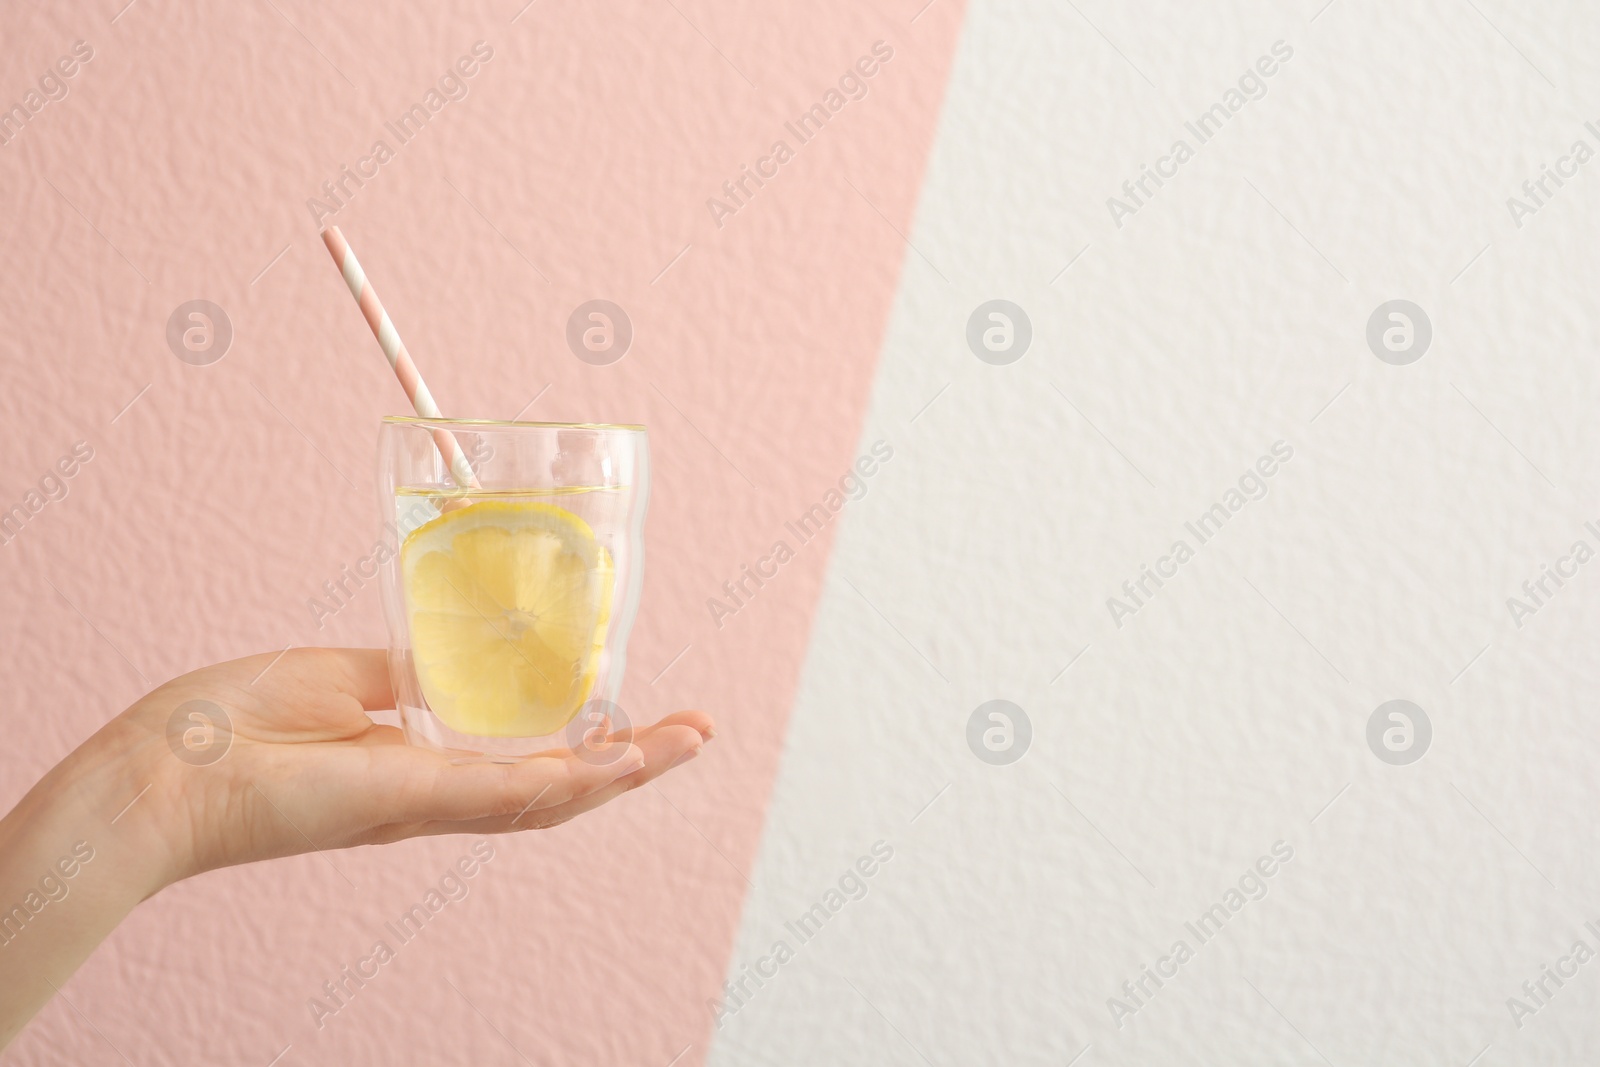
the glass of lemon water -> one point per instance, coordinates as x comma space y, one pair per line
513, 579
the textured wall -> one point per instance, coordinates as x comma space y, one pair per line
221, 496
1183, 739
1229, 710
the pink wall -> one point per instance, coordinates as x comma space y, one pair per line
177, 167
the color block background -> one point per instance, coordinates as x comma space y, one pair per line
830, 312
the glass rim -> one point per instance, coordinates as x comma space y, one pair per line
419, 420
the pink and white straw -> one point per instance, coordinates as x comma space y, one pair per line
394, 350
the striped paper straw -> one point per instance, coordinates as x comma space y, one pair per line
394, 350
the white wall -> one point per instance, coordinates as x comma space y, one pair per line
1227, 314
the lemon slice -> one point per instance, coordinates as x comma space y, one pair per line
508, 605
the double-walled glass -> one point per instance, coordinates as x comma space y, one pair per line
513, 580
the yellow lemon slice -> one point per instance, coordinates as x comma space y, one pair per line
508, 605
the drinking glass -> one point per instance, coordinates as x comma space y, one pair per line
512, 579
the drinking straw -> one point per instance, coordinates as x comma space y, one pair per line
394, 350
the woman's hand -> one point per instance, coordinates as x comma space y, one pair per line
266, 756
296, 764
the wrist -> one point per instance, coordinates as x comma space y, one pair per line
72, 865
90, 801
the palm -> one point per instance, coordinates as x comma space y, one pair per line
305, 768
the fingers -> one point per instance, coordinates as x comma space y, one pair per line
666, 748
408, 791
425, 787
665, 745
698, 721
588, 748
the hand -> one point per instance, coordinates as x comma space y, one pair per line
299, 767
305, 767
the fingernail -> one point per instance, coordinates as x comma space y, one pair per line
686, 757
710, 732
631, 765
